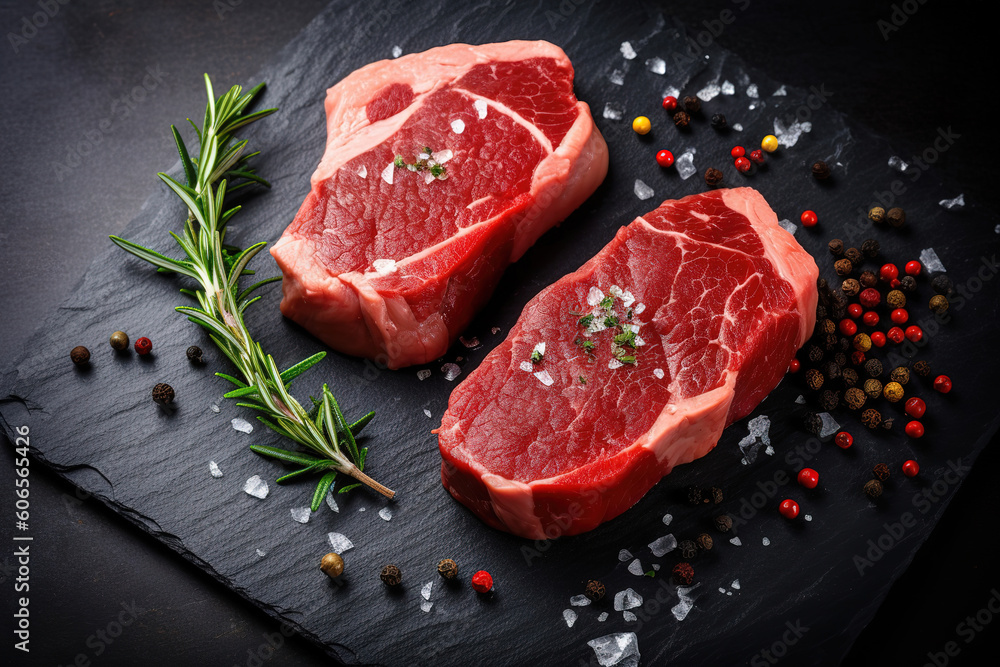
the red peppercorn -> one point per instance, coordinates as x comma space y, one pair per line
482, 582
143, 345
848, 327
844, 440
899, 316
914, 429
914, 334
854, 310
809, 218
870, 297
789, 508
942, 383
808, 478
670, 103
743, 165
794, 366
915, 407
871, 318
895, 283
757, 156
665, 158
912, 268
738, 151
889, 272
857, 357
911, 468
878, 339
896, 335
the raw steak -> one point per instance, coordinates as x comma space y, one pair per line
390, 263
714, 297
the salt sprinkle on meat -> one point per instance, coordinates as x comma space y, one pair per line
481, 107
388, 172
458, 126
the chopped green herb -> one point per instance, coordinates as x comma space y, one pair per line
651, 573
628, 315
586, 345
607, 302
582, 379
438, 171
536, 357
626, 359
626, 338
611, 321
586, 320
399, 161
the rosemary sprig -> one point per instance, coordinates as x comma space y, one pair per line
221, 167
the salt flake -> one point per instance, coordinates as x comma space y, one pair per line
736, 542
425, 606
766, 542
952, 204
241, 425
300, 514
931, 261
624, 555
639, 307
617, 77
627, 599
451, 371
396, 51
752, 91
425, 591
579, 601
656, 65
384, 267
331, 501
339, 542
613, 111
458, 126
388, 172
481, 108
256, 487
423, 374
570, 617
544, 377
627, 51
663, 545
642, 191
603, 617
527, 366
709, 92
728, 88
635, 567
385, 514
658, 373
685, 165
788, 226
618, 650
898, 163
213, 468
427, 413
363, 171
667, 518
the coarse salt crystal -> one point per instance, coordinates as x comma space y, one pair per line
780, 92
214, 408
443, 156
618, 650
752, 91
363, 171
300, 514
594, 296
736, 542
627, 599
384, 267
951, 204
735, 584
788, 226
427, 413
624, 555
629, 616
423, 374
331, 502
627, 51
766, 542
451, 371
570, 617
728, 88
658, 373
663, 545
396, 51
458, 126
738, 127
339, 543
931, 261
579, 601
656, 65
635, 567
544, 377
527, 366
709, 92
385, 514
898, 163
425, 606
425, 591
667, 518
808, 517
614, 363
617, 77
639, 308
494, 330
685, 165
642, 191
388, 172
260, 553
481, 107
603, 617
613, 111
470, 343
242, 425
256, 487
213, 468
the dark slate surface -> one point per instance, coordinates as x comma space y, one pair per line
98, 428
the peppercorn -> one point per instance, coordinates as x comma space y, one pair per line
895, 299
831, 370
163, 393
841, 360
390, 575
828, 326
849, 376
922, 368
769, 143
830, 342
862, 342
844, 344
719, 121
820, 170
812, 422
843, 267
713, 494
870, 247
850, 287
713, 177
839, 300
704, 542
836, 247
692, 104
814, 379
815, 354
873, 388
855, 398
941, 284
854, 255
641, 125
482, 582
688, 549
829, 399
119, 340
594, 590
681, 119
896, 217
873, 367
448, 568
723, 523
908, 283
881, 472
900, 374
893, 391
821, 311
143, 345
684, 573
194, 354
332, 565
877, 215
871, 418
757, 157
873, 489
79, 355
938, 304
694, 495
809, 218
857, 357
868, 279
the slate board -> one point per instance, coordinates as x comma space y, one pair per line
98, 428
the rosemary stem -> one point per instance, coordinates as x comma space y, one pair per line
368, 481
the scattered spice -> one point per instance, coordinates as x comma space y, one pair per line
828, 326
688, 549
814, 353
482, 582
814, 379
594, 590
868, 279
896, 217
684, 573
873, 489
873, 388
855, 398
332, 565
692, 104
854, 255
843, 267
713, 494
850, 287
871, 418
694, 495
877, 215
922, 368
893, 392
788, 508
829, 400
143, 345
681, 120
881, 472
942, 384
900, 374
908, 283
119, 340
870, 247
704, 542
713, 177
895, 299
820, 170
941, 284
391, 575
836, 247
911, 468
873, 367
938, 304
194, 354
723, 523
448, 569
163, 393
862, 342
719, 121
831, 369
849, 376
79, 355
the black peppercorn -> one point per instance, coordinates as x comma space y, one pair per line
873, 367
820, 311
820, 170
713, 177
854, 255
896, 217
390, 575
922, 368
941, 284
688, 549
694, 495
871, 418
908, 283
194, 354
713, 494
691, 104
844, 343
843, 267
815, 354
938, 304
594, 590
873, 489
723, 523
719, 121
881, 472
855, 398
877, 215
849, 376
830, 342
895, 299
79, 355
684, 573
870, 248
814, 379
681, 119
900, 374
868, 279
119, 340
448, 569
887, 424
828, 326
831, 369
829, 399
163, 393
836, 247
704, 542
873, 388
812, 422
850, 287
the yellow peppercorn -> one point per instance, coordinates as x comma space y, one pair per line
769, 143
641, 125
862, 342
893, 392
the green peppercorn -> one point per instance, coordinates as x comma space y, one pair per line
391, 576
850, 287
895, 299
877, 215
594, 590
836, 247
893, 392
688, 549
163, 393
820, 170
896, 217
814, 379
119, 340
448, 569
862, 342
881, 472
704, 542
855, 398
681, 119
854, 255
712, 176
79, 355
908, 283
922, 368
873, 489
868, 279
723, 523
332, 565
843, 267
873, 388
900, 374
849, 376
938, 304
871, 418
874, 368
870, 248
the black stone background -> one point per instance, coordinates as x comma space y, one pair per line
932, 72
